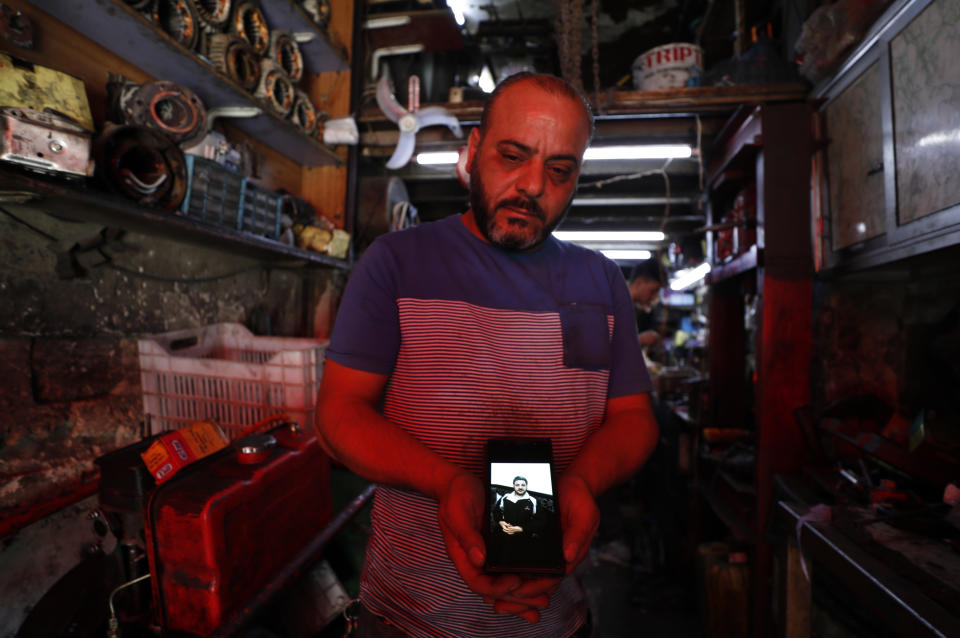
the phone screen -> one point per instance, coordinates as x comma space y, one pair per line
522, 526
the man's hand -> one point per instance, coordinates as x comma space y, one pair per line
510, 529
649, 338
461, 513
580, 518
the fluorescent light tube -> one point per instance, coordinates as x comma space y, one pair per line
442, 157
627, 254
686, 278
592, 153
457, 6
608, 235
646, 151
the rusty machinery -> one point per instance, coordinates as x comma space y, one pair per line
236, 38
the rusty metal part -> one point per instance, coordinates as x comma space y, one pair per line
139, 5
250, 24
44, 142
142, 164
179, 19
234, 56
16, 27
318, 10
304, 113
274, 88
285, 51
213, 14
170, 108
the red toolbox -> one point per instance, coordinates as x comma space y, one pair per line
219, 532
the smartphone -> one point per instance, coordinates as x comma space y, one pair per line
522, 523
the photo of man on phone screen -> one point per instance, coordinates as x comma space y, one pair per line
516, 511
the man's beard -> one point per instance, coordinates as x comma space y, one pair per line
503, 237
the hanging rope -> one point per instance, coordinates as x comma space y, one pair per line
596, 54
569, 18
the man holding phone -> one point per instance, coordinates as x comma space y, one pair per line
480, 326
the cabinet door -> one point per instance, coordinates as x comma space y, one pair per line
855, 161
925, 70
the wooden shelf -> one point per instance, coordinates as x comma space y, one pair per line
78, 200
120, 29
742, 145
320, 54
679, 101
740, 264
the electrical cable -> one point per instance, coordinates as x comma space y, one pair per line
28, 225
662, 171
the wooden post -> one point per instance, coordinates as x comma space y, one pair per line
797, 593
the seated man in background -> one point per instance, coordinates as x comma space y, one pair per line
645, 282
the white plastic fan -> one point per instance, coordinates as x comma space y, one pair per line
411, 120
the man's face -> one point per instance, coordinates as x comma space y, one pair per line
520, 487
524, 168
645, 291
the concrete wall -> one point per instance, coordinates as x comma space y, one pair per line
75, 297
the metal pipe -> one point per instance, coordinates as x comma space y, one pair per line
113, 630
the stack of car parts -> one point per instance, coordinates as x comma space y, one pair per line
142, 164
236, 38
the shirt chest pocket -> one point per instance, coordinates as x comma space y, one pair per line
586, 337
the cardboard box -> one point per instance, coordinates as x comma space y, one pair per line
175, 450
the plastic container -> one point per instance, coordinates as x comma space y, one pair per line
213, 192
225, 374
668, 67
260, 210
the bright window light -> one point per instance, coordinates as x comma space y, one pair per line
486, 82
444, 157
457, 6
646, 151
608, 235
627, 254
686, 278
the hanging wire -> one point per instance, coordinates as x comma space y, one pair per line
662, 171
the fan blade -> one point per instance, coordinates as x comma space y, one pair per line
433, 115
401, 154
387, 103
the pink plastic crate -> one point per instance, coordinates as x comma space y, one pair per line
225, 374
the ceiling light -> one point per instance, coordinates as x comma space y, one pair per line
486, 82
646, 151
442, 157
594, 152
639, 255
457, 6
387, 22
686, 278
608, 235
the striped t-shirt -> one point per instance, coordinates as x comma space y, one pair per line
479, 342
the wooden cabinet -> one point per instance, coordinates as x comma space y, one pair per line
888, 128
760, 305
